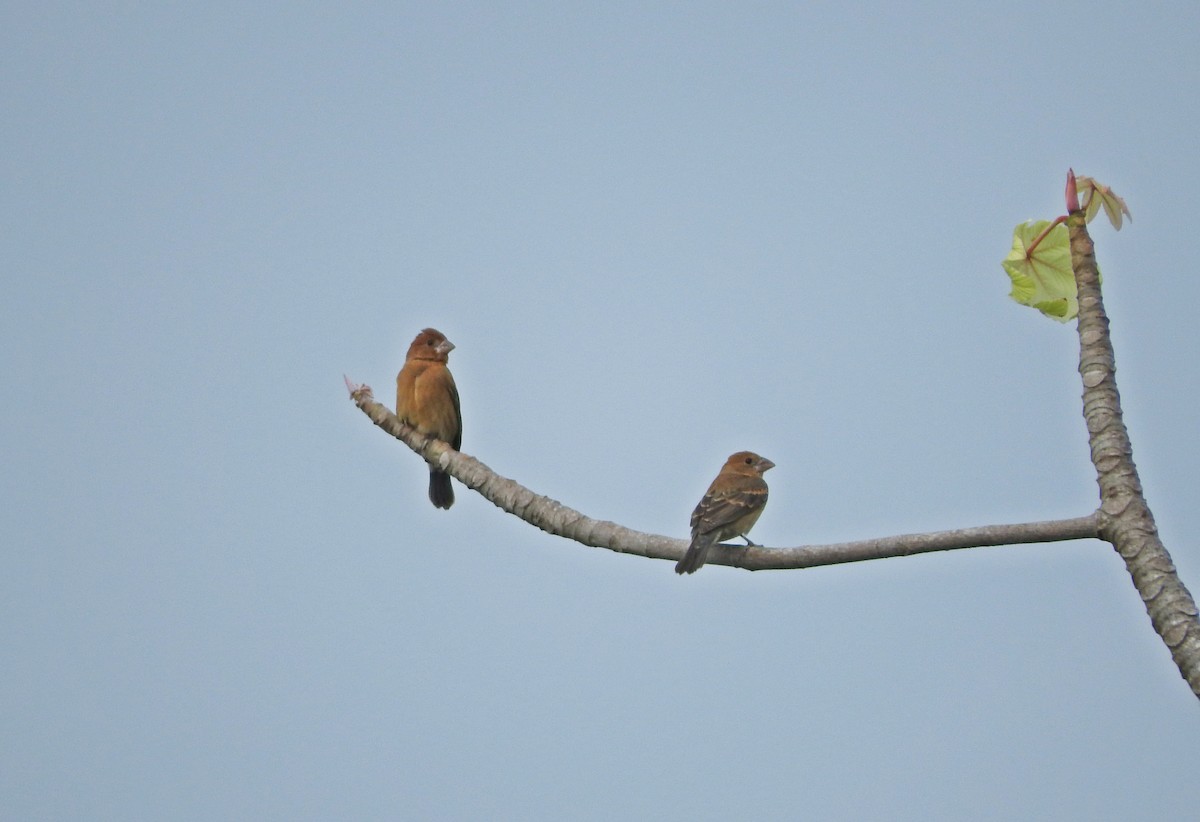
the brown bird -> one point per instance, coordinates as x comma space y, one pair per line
729, 508
427, 399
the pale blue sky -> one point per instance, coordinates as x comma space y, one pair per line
657, 234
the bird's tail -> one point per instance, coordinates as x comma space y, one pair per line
440, 492
697, 554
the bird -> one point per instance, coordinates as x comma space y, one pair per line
427, 400
729, 508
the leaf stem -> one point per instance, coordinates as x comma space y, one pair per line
1038, 239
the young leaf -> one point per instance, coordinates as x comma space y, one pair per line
1093, 195
1042, 278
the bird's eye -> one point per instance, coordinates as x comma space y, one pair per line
749, 460
429, 341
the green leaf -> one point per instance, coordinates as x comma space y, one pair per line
1042, 279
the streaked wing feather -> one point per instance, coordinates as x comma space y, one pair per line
721, 508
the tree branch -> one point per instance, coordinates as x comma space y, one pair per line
1123, 519
1126, 518
555, 518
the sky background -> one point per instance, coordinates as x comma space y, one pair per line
657, 234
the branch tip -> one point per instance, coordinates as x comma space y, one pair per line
1072, 192
358, 393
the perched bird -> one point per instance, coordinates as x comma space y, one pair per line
427, 399
729, 508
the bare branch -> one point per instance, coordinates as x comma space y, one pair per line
807, 556
1126, 518
555, 518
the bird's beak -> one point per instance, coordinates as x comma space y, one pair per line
765, 464
444, 347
